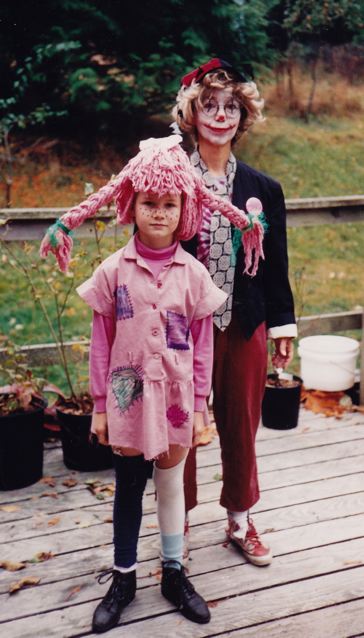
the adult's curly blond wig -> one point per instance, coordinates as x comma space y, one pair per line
189, 98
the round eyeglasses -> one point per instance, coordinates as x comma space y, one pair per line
211, 108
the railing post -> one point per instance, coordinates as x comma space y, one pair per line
361, 397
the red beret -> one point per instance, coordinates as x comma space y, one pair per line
211, 65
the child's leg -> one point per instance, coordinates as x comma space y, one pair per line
168, 478
170, 508
131, 473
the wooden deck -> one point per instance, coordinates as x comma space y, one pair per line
311, 512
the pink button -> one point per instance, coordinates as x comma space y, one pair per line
155, 332
154, 306
159, 284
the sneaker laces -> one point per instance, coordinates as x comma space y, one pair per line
252, 534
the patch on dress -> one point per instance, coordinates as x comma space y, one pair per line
124, 306
177, 416
177, 331
127, 385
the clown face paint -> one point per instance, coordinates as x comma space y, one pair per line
218, 119
157, 218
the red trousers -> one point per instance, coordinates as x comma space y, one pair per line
239, 375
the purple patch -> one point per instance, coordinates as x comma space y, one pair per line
124, 306
177, 331
176, 416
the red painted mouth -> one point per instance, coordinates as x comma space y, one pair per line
219, 130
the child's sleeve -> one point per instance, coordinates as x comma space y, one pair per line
102, 337
202, 336
98, 293
210, 296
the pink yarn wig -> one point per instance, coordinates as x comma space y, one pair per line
160, 167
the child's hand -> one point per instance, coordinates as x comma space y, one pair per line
99, 427
283, 352
198, 427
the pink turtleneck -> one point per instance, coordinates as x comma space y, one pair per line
103, 332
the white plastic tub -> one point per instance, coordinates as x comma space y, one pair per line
328, 362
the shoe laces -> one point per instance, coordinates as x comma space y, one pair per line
252, 534
105, 576
117, 588
186, 584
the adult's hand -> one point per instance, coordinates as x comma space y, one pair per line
283, 352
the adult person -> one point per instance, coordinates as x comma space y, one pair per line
216, 104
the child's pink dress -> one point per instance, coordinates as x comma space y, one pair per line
150, 389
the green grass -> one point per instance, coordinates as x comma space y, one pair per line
322, 158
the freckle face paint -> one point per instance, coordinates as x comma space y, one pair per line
157, 218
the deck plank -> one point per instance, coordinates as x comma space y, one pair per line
311, 511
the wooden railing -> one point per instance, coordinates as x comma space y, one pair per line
30, 224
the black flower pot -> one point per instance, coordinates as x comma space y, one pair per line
80, 450
21, 449
281, 403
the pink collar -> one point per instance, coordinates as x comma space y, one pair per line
177, 253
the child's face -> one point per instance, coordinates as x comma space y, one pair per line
218, 119
157, 218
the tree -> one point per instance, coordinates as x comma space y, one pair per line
310, 24
108, 64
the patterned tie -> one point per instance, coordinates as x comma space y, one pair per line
215, 243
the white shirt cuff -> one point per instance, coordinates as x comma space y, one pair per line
278, 332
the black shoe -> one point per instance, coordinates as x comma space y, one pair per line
179, 590
119, 595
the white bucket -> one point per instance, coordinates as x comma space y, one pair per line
328, 362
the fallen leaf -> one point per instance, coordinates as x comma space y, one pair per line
69, 482
108, 519
73, 592
49, 495
82, 524
11, 567
268, 530
9, 508
152, 526
92, 482
328, 403
48, 480
217, 477
24, 582
41, 557
352, 562
54, 521
213, 603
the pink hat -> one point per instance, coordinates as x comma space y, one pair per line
160, 167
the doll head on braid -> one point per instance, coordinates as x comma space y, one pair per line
161, 167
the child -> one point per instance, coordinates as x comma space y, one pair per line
151, 354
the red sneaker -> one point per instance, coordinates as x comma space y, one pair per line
251, 544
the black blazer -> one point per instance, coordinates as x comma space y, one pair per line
267, 296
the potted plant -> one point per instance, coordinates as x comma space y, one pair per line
22, 406
51, 293
281, 401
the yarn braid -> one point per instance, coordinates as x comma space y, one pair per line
252, 227
161, 166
